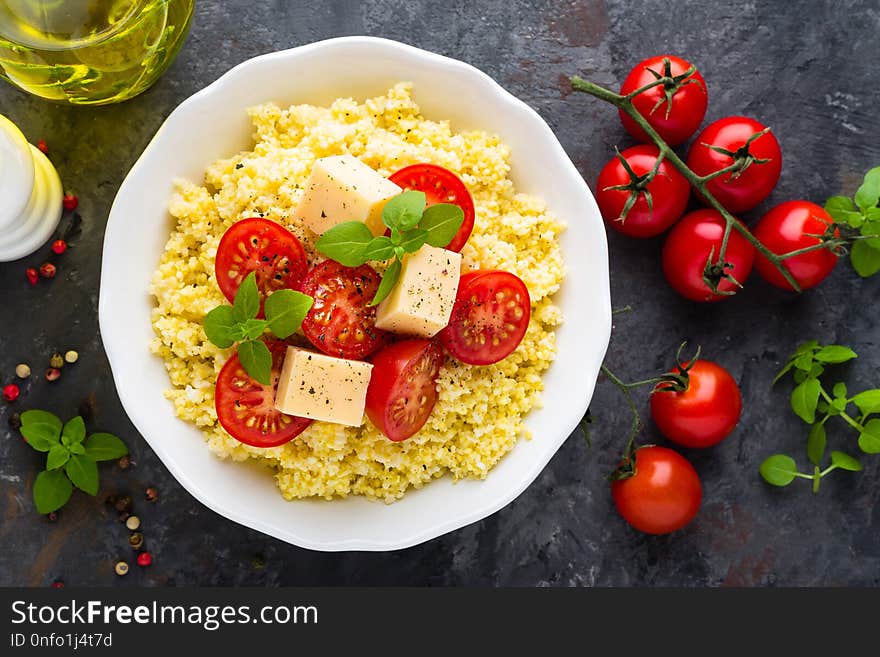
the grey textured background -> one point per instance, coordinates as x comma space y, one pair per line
808, 69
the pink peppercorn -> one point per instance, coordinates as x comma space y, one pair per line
11, 392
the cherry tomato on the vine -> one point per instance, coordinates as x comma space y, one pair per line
668, 190
705, 413
674, 120
688, 248
726, 141
789, 227
661, 494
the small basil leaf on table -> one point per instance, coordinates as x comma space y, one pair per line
379, 248
868, 401
77, 448
865, 259
256, 360
843, 210
834, 353
219, 325
286, 310
816, 442
345, 243
868, 193
52, 490
247, 299
804, 399
74, 430
869, 439
442, 221
413, 240
389, 279
40, 429
779, 470
404, 211
58, 456
83, 473
104, 447
845, 462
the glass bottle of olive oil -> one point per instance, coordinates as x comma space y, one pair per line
90, 52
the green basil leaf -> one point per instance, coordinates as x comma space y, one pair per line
286, 310
845, 462
404, 211
220, 325
413, 240
399, 252
256, 360
872, 214
868, 401
869, 439
442, 221
868, 193
74, 430
804, 399
83, 473
247, 299
389, 280
104, 447
251, 329
77, 448
865, 259
816, 442
345, 243
838, 207
52, 489
804, 362
40, 429
58, 455
834, 353
839, 390
380, 248
778, 470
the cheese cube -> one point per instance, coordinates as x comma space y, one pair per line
421, 302
322, 387
342, 188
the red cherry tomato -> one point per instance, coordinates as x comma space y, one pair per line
264, 247
489, 318
675, 121
788, 227
705, 413
246, 408
440, 186
687, 250
341, 323
403, 387
742, 190
662, 495
669, 193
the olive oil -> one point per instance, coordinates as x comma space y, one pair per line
90, 51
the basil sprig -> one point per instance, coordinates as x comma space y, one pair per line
862, 215
412, 226
71, 457
226, 325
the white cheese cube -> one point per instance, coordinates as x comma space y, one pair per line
421, 302
342, 188
322, 387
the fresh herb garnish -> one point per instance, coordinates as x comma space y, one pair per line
812, 403
862, 215
412, 226
71, 457
226, 325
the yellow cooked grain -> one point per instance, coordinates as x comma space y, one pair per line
480, 412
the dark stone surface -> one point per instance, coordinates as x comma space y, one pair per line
808, 69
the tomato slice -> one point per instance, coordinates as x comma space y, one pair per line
489, 318
262, 246
403, 387
440, 186
246, 408
340, 322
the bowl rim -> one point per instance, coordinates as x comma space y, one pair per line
129, 403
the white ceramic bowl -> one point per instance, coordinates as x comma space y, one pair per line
213, 124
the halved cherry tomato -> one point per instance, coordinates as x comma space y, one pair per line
668, 189
246, 408
690, 243
741, 190
440, 186
789, 227
403, 387
489, 318
705, 413
662, 492
264, 247
340, 322
675, 120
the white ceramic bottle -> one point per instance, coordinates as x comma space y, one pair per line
30, 195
